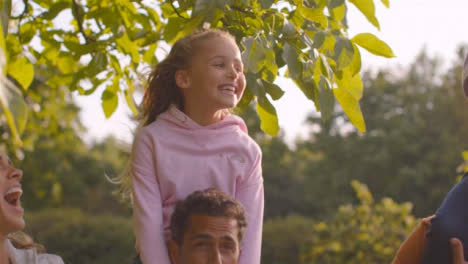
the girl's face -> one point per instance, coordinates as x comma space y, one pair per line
215, 78
11, 212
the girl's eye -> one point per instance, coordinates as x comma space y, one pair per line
220, 65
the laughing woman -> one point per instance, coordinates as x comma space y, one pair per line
15, 246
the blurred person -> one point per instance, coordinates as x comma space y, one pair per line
412, 249
465, 76
207, 227
15, 246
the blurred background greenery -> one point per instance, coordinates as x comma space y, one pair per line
318, 209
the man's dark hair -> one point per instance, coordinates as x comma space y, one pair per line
209, 202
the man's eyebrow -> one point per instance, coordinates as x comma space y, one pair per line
228, 238
201, 236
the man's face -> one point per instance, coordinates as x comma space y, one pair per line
208, 240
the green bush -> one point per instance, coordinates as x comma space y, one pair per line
283, 238
79, 238
365, 233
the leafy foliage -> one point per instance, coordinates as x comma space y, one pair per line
369, 232
90, 46
81, 238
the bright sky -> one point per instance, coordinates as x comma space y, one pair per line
407, 27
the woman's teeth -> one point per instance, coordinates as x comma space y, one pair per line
13, 195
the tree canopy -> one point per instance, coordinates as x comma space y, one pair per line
105, 46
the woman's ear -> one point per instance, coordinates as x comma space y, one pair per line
182, 79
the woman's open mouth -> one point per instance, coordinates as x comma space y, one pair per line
12, 196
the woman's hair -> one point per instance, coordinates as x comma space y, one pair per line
161, 89
22, 241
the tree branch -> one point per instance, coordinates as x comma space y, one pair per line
177, 12
79, 18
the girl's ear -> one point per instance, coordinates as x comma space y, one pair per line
182, 79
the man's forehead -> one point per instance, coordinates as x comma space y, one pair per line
212, 226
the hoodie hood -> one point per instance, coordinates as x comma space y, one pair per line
178, 118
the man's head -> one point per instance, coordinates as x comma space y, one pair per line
207, 227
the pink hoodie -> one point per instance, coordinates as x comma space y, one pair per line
173, 157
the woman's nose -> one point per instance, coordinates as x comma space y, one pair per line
15, 174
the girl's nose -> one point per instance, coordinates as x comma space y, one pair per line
232, 73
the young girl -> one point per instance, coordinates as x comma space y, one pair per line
189, 141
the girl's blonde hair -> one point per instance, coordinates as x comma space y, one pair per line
161, 89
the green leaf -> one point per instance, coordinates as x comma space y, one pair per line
247, 97
308, 88
326, 98
335, 3
339, 13
2, 43
288, 28
128, 93
315, 15
319, 39
368, 9
273, 90
109, 102
265, 4
128, 47
55, 9
271, 68
269, 119
344, 52
15, 110
291, 57
98, 63
356, 63
351, 108
255, 23
66, 64
22, 71
374, 45
253, 55
386, 3
351, 84
150, 56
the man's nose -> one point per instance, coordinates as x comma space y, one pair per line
216, 257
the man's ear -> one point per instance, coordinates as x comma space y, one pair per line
182, 79
174, 251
